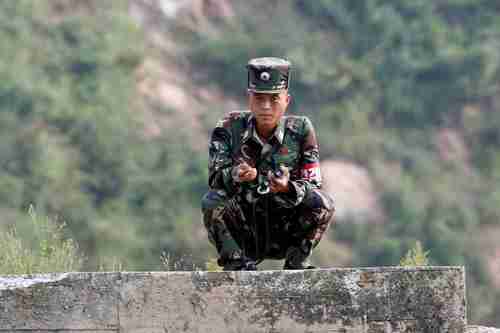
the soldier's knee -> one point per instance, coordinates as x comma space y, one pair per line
318, 199
213, 199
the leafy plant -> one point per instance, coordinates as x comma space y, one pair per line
416, 256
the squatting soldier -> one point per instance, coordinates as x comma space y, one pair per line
265, 200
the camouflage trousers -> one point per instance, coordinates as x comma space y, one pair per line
263, 229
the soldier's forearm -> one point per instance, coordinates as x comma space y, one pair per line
222, 179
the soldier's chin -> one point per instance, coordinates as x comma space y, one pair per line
265, 119
266, 123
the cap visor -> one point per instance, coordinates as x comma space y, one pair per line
276, 91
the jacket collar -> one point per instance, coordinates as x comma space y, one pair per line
251, 131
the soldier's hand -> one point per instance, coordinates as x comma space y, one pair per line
246, 173
279, 184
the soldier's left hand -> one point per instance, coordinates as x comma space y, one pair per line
279, 184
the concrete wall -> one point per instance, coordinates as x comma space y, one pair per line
390, 299
481, 329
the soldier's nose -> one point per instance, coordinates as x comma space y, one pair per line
266, 104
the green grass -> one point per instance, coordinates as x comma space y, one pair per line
46, 250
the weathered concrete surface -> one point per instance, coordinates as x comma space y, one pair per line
481, 329
390, 299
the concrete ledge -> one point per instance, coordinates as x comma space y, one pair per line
481, 329
388, 299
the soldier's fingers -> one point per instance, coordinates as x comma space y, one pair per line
272, 183
276, 183
249, 174
244, 173
286, 171
276, 188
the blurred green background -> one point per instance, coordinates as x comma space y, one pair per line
106, 108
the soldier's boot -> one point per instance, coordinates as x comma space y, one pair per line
232, 257
297, 256
240, 265
237, 262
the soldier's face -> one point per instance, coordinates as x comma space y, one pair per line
268, 108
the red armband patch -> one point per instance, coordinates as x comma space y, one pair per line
311, 171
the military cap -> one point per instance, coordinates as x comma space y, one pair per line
268, 75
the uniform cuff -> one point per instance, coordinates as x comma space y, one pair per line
229, 182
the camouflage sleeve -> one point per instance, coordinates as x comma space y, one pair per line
220, 161
309, 175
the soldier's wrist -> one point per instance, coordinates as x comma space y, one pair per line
235, 174
286, 188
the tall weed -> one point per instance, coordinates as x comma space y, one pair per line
45, 251
416, 256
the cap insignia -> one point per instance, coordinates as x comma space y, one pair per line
265, 76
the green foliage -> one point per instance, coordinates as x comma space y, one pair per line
380, 80
41, 248
416, 256
71, 142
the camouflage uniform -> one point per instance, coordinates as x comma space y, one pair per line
242, 220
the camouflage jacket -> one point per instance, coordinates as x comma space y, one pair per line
293, 145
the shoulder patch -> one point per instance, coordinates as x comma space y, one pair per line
234, 115
231, 117
311, 172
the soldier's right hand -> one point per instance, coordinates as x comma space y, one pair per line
245, 173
